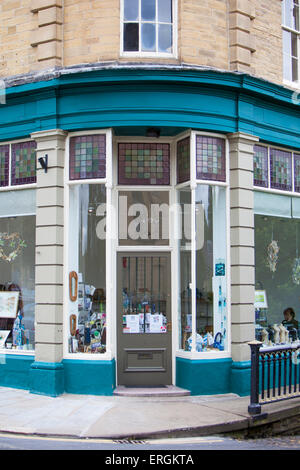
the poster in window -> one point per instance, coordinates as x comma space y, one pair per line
9, 304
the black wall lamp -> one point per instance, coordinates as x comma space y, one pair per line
44, 162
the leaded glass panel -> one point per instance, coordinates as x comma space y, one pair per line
144, 163
297, 172
281, 169
88, 157
260, 166
210, 158
183, 160
23, 168
4, 165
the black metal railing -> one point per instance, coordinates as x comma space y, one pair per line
275, 374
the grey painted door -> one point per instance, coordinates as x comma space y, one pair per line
144, 319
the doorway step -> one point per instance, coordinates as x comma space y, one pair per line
155, 391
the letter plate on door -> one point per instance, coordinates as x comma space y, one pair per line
144, 360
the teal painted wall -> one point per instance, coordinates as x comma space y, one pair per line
89, 377
14, 371
204, 377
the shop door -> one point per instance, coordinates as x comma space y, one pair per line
144, 319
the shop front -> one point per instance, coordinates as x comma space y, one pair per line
142, 288
147, 233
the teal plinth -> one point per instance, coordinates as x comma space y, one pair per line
47, 378
241, 378
204, 377
89, 377
14, 371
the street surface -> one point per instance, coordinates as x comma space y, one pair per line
13, 442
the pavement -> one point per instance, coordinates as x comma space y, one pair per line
134, 417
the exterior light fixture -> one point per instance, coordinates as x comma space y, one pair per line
153, 132
44, 162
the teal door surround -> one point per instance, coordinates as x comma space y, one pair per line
130, 99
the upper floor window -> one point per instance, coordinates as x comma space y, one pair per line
148, 27
291, 40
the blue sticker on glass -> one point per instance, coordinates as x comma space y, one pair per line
220, 269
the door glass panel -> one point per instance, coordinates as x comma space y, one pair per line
144, 294
144, 218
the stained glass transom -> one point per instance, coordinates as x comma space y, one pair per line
210, 158
297, 171
260, 166
144, 163
183, 160
23, 168
281, 169
88, 157
4, 165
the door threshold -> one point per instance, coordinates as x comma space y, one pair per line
148, 391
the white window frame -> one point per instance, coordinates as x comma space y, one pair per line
107, 182
192, 184
140, 53
285, 27
269, 189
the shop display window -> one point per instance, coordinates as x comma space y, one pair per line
206, 259
17, 270
210, 158
277, 276
88, 157
260, 166
144, 164
185, 269
87, 269
183, 160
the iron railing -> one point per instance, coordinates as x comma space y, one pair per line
275, 374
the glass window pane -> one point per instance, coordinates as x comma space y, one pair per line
17, 274
144, 218
185, 272
211, 289
287, 6
164, 12
277, 244
14, 203
148, 37
131, 37
148, 10
295, 18
87, 245
144, 294
164, 38
131, 10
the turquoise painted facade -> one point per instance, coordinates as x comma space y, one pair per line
129, 100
